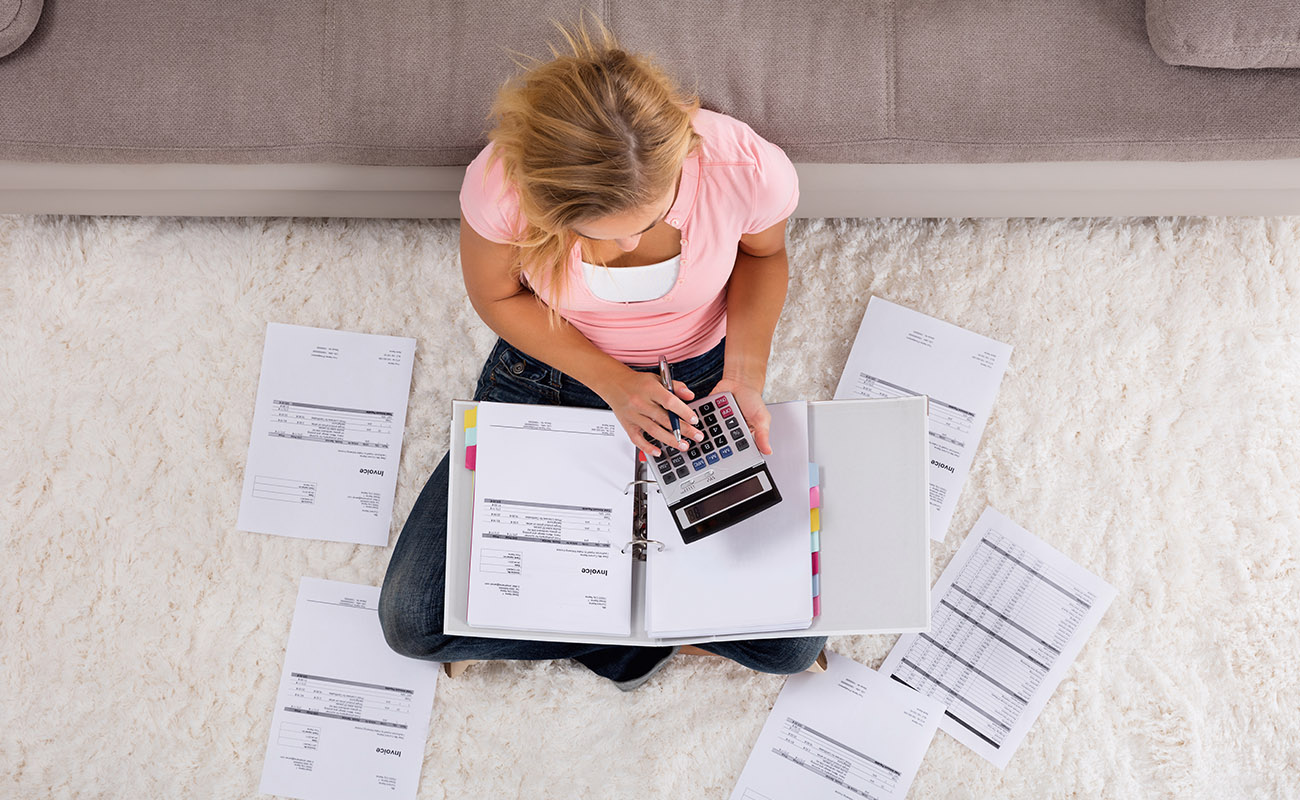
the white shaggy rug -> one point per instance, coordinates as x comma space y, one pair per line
1148, 427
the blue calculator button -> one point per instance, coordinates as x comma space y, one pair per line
725, 452
712, 458
698, 464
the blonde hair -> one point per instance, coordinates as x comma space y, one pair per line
595, 131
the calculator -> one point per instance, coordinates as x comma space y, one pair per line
719, 481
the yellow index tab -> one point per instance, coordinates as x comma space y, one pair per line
471, 417
815, 514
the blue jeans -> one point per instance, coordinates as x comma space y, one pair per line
411, 602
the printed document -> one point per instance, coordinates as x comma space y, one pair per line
351, 716
899, 352
552, 513
1010, 616
754, 576
327, 435
848, 732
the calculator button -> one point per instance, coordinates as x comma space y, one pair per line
682, 472
698, 464
721, 441
742, 444
712, 458
664, 466
709, 419
726, 412
694, 452
732, 422
669, 478
706, 408
725, 452
706, 447
678, 461
737, 434
715, 430
721, 401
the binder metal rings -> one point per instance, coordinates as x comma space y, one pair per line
635, 542
644, 481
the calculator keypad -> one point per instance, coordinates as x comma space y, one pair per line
725, 438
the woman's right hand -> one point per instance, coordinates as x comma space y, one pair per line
641, 404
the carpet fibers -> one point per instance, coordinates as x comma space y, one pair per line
1148, 427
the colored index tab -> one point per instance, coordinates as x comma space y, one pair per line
816, 542
471, 457
471, 438
812, 474
814, 497
816, 519
471, 417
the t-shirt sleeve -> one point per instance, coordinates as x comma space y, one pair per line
776, 186
489, 206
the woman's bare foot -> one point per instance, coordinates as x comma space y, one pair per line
455, 668
692, 650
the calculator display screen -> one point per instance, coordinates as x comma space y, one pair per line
724, 499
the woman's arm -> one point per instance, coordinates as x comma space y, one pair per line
755, 296
638, 399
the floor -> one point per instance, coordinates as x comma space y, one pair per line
1148, 427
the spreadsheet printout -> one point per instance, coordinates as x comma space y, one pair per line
848, 732
351, 716
902, 353
327, 435
1010, 616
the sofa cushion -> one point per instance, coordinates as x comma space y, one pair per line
17, 21
1240, 35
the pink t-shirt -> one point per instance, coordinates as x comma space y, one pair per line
735, 183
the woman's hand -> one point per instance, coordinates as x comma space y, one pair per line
641, 404
750, 400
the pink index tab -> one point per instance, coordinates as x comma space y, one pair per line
817, 605
814, 497
471, 456
817, 566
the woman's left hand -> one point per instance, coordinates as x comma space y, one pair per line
750, 399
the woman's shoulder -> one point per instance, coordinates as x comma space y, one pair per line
488, 202
727, 140
754, 178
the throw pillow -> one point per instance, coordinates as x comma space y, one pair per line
1242, 34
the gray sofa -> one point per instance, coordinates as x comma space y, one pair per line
888, 107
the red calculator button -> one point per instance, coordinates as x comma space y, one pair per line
721, 401
726, 412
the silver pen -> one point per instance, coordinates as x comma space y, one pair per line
666, 377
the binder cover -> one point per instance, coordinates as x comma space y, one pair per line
873, 520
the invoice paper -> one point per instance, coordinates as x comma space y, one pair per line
848, 732
351, 716
327, 435
899, 352
1010, 615
552, 512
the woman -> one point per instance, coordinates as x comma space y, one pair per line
608, 222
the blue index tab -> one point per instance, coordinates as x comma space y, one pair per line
471, 436
812, 475
817, 585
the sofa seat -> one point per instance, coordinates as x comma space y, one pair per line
407, 84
